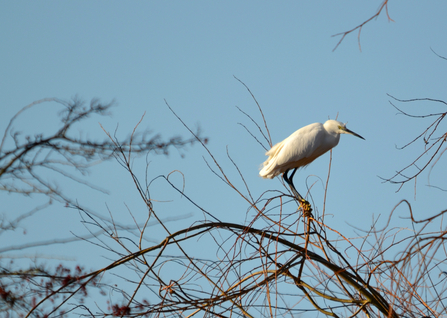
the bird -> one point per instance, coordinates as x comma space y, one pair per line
300, 149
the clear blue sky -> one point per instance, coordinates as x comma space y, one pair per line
187, 52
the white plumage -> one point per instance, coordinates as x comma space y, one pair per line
302, 147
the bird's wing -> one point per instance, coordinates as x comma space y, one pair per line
302, 146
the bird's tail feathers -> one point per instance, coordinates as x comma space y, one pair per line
268, 170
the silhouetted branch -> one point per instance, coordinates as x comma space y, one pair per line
27, 165
20, 163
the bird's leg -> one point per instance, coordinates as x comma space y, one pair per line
290, 183
304, 203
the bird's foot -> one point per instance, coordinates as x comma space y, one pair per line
307, 209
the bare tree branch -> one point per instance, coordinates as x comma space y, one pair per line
433, 143
384, 5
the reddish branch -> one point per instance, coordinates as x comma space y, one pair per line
360, 26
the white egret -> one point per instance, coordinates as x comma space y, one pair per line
300, 149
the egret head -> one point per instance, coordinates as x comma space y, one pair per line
333, 126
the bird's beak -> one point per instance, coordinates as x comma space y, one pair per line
353, 133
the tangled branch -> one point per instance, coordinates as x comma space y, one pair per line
28, 166
433, 144
279, 263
